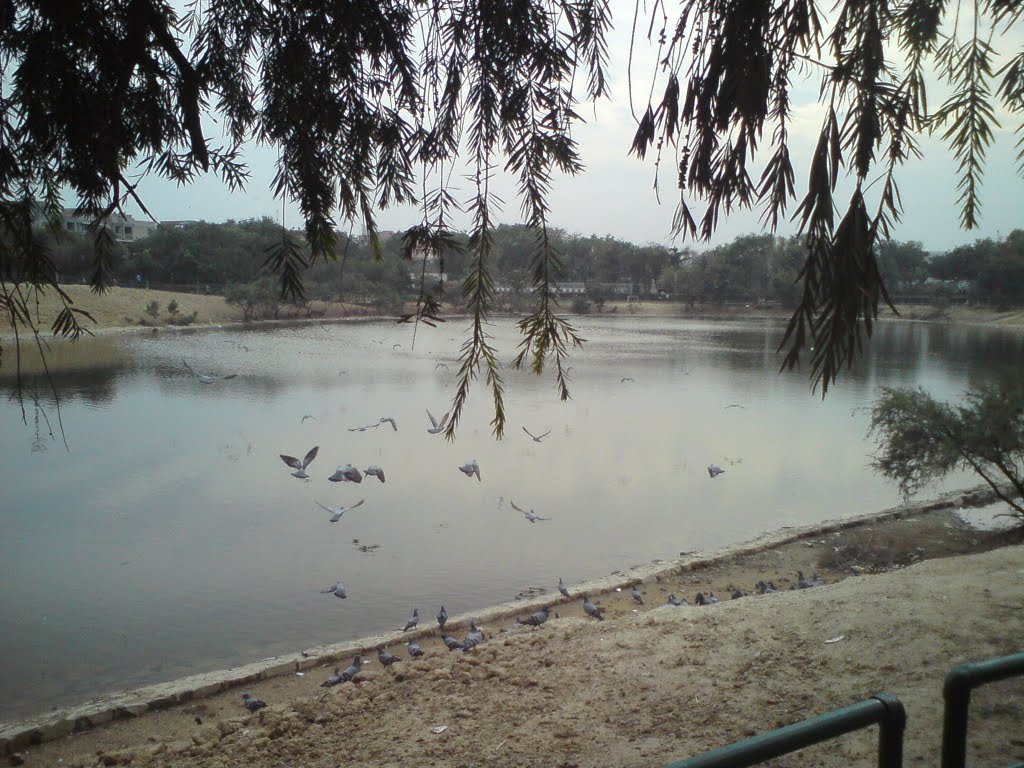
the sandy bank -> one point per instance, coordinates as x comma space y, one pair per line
641, 687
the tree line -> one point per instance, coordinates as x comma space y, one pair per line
761, 268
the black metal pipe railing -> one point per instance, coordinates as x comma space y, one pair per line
883, 710
957, 693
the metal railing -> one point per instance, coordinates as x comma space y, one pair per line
882, 710
957, 693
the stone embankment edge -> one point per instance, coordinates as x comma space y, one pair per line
128, 704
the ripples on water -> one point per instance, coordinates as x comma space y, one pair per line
171, 539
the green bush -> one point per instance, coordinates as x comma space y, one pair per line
153, 308
172, 307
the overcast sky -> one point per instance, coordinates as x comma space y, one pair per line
614, 195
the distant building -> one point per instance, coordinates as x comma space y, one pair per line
126, 229
571, 289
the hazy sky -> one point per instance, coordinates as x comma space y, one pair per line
615, 194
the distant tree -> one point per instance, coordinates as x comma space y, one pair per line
921, 440
256, 299
902, 264
153, 308
172, 307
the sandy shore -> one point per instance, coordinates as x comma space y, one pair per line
648, 685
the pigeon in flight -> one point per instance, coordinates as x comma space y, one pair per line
386, 658
451, 642
437, 426
413, 620
627, 378
337, 512
471, 468
677, 601
252, 703
710, 599
535, 619
390, 420
337, 589
714, 471
208, 378
442, 617
346, 473
375, 471
562, 588
591, 610
333, 680
300, 466
635, 594
363, 429
308, 416
536, 438
352, 669
414, 649
529, 515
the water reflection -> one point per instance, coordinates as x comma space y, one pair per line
171, 538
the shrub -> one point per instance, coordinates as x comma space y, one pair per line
153, 308
172, 307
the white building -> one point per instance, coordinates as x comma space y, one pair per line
126, 229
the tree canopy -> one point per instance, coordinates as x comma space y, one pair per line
376, 102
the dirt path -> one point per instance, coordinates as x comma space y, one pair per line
651, 686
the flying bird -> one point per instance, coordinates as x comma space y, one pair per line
591, 610
337, 512
471, 468
562, 588
413, 620
337, 589
714, 471
390, 420
208, 378
627, 378
252, 703
300, 466
536, 438
308, 416
375, 471
363, 429
346, 473
437, 426
529, 515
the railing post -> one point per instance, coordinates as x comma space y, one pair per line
890, 732
957, 692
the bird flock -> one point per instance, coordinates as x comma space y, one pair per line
349, 473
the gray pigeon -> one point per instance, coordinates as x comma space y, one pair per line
436, 426
391, 421
591, 610
337, 512
470, 468
346, 473
353, 669
333, 680
676, 601
413, 620
635, 594
252, 703
414, 649
337, 589
473, 638
451, 642
385, 658
375, 471
442, 617
803, 583
738, 593
714, 471
701, 599
766, 587
535, 619
562, 588
300, 466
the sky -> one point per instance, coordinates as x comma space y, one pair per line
615, 195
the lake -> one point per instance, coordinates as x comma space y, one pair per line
169, 538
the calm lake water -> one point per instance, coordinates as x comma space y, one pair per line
170, 539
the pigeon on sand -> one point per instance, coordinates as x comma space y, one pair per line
442, 617
562, 588
414, 649
535, 619
591, 610
386, 658
413, 620
635, 594
252, 703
